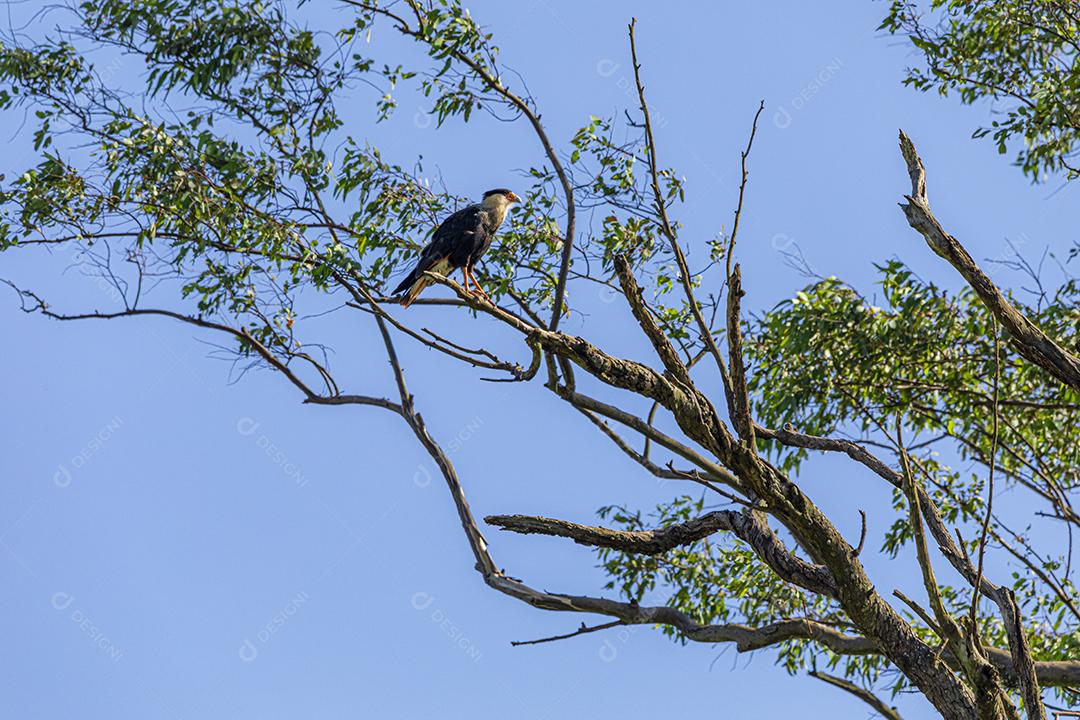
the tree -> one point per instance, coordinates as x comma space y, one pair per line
246, 207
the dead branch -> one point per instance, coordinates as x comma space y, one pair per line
659, 340
1030, 341
745, 526
740, 411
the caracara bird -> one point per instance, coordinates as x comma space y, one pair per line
459, 242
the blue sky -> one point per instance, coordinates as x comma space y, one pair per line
173, 545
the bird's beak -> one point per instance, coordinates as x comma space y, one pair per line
513, 198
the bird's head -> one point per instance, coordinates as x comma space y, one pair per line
500, 197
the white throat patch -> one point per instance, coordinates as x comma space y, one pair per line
497, 206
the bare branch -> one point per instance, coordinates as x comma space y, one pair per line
955, 554
740, 410
792, 438
742, 187
1022, 662
920, 611
862, 533
668, 230
746, 526
944, 620
240, 333
583, 630
713, 471
745, 638
1048, 579
886, 711
625, 447
697, 418
445, 346
660, 342
990, 482
1030, 341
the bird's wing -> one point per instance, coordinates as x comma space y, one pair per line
455, 236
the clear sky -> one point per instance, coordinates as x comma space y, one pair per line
173, 545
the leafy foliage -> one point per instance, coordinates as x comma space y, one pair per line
1022, 56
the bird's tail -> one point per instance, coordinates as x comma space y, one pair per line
414, 291
417, 280
406, 283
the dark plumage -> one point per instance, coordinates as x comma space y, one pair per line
459, 242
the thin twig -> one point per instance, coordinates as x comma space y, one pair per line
667, 229
886, 711
583, 630
742, 188
990, 481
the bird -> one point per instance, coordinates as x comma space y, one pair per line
459, 242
